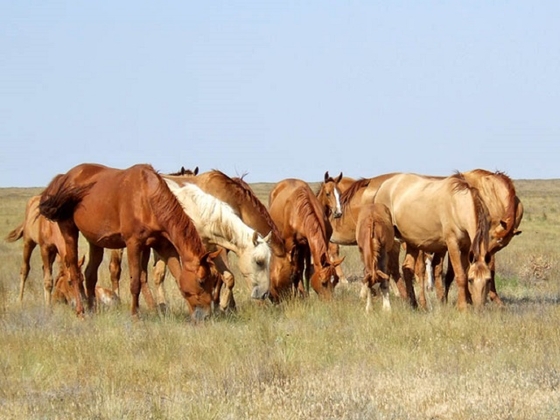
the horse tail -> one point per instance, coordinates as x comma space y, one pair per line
60, 198
15, 234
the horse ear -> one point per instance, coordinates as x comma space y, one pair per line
471, 257
195, 171
326, 176
81, 261
337, 180
517, 232
209, 256
255, 238
339, 261
268, 238
183, 170
324, 260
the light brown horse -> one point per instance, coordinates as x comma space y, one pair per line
506, 212
376, 240
37, 230
64, 292
435, 215
306, 231
131, 208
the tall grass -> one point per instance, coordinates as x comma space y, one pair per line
300, 359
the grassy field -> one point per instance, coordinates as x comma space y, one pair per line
300, 360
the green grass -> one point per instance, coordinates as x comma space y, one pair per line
299, 360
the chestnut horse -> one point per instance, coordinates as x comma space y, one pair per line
435, 215
376, 239
305, 229
38, 230
218, 225
353, 194
131, 208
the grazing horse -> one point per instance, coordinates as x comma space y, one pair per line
506, 211
376, 239
435, 215
37, 230
218, 225
306, 231
131, 208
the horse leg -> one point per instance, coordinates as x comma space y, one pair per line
48, 257
449, 277
334, 254
115, 269
134, 252
28, 248
420, 276
458, 262
95, 259
492, 293
227, 301
159, 271
408, 267
70, 234
394, 271
437, 264
144, 287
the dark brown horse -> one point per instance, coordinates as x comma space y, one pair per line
38, 230
435, 215
131, 208
305, 229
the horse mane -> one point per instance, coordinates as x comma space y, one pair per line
183, 172
241, 189
312, 223
347, 195
169, 212
511, 206
217, 215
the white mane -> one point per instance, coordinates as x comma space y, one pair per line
215, 220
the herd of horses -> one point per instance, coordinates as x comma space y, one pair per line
285, 248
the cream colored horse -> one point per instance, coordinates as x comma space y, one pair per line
435, 215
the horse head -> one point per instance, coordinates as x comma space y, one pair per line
324, 277
254, 265
329, 196
197, 282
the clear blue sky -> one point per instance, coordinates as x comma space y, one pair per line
280, 89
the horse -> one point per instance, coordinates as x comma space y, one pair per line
376, 239
355, 192
38, 230
64, 293
306, 230
132, 208
218, 225
506, 212
435, 215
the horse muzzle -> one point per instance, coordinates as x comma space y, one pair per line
259, 294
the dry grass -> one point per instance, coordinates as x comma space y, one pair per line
300, 360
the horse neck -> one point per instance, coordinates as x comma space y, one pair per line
314, 229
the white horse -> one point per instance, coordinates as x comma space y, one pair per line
218, 225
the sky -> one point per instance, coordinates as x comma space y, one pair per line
280, 89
